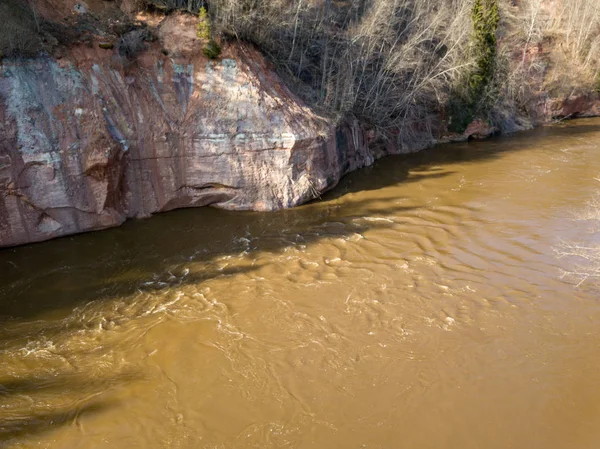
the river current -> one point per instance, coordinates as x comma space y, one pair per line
430, 301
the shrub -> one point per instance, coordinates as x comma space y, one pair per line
485, 18
211, 50
473, 97
203, 29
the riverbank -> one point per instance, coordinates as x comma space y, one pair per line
90, 139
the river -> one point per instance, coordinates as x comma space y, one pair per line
423, 303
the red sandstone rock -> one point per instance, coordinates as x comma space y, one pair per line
479, 129
87, 142
573, 106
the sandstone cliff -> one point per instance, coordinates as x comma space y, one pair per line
86, 143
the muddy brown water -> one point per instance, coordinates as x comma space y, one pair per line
421, 304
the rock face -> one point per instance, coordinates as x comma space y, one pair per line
584, 105
87, 142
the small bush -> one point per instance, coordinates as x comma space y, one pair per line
203, 29
211, 50
460, 114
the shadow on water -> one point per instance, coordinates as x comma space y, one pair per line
10, 387
437, 162
48, 280
42, 403
40, 422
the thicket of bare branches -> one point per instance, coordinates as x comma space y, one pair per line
546, 47
567, 32
580, 22
390, 62
397, 63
